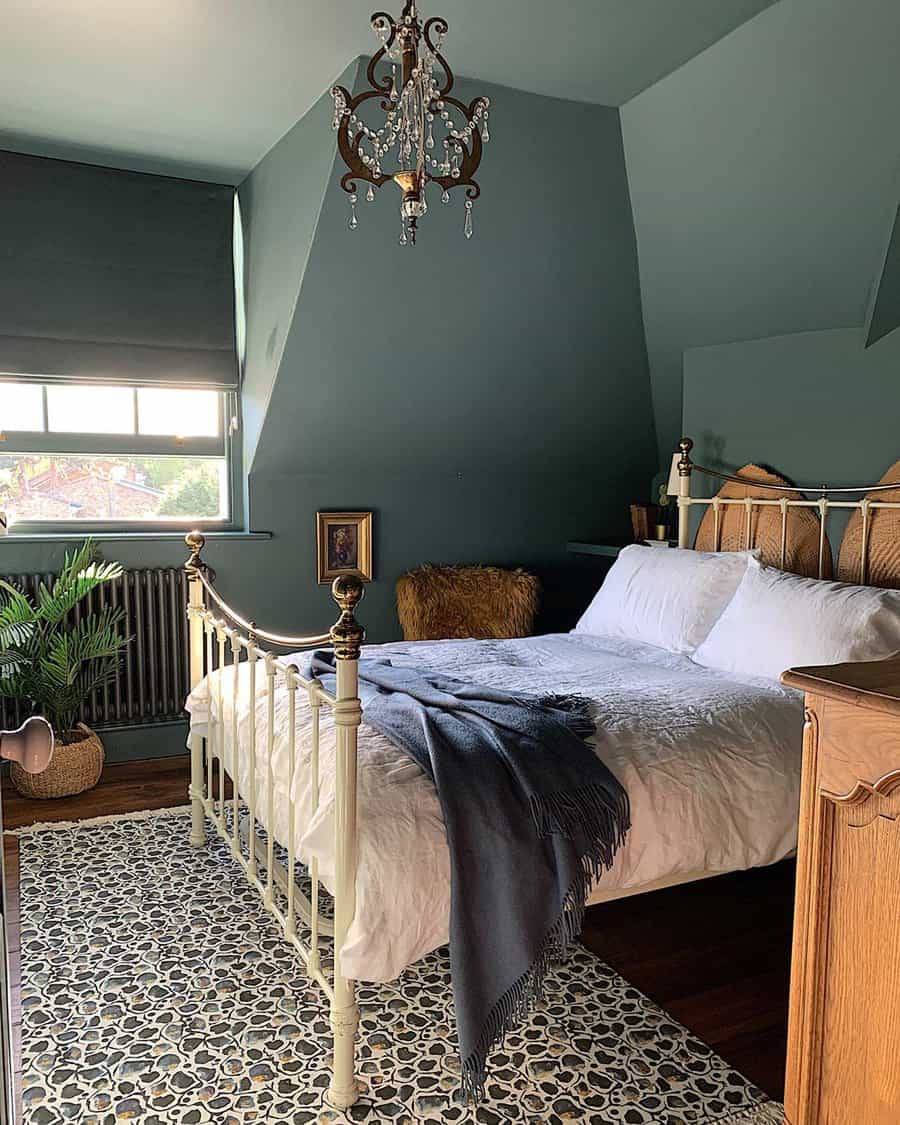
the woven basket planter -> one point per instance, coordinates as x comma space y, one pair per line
74, 768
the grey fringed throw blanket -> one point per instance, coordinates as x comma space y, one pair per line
532, 817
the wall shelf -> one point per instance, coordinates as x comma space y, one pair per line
606, 550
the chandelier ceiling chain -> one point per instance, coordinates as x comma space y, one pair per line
428, 135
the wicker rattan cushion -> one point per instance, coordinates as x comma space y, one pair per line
435, 602
883, 551
802, 543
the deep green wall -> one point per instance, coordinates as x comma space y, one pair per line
763, 179
489, 400
885, 311
816, 405
280, 206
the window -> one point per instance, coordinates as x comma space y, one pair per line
113, 455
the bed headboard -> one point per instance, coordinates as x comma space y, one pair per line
789, 523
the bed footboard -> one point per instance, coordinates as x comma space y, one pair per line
226, 647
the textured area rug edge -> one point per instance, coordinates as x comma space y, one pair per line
89, 822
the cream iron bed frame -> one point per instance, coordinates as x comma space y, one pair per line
217, 631
211, 638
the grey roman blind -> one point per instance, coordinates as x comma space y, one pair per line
108, 275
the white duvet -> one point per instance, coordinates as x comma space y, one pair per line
711, 766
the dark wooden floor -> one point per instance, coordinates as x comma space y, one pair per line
714, 954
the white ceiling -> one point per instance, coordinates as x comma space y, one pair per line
206, 87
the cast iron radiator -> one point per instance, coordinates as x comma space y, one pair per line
153, 678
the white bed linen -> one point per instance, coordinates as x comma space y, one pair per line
671, 599
711, 766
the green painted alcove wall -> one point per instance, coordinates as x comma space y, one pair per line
489, 401
816, 406
764, 183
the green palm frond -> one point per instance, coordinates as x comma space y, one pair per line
10, 664
17, 628
94, 638
15, 634
80, 559
66, 595
15, 608
48, 661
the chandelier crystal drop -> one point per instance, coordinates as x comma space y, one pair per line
425, 136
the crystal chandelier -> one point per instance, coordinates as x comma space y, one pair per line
428, 135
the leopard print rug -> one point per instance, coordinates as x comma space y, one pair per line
155, 989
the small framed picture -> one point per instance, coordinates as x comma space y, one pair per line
344, 542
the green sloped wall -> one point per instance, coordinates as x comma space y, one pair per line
489, 400
280, 203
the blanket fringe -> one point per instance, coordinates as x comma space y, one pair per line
65, 825
589, 812
605, 822
576, 711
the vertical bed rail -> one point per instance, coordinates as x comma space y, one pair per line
347, 637
253, 808
195, 542
685, 467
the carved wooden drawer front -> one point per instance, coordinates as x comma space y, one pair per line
844, 1037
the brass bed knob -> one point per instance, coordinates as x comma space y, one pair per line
347, 635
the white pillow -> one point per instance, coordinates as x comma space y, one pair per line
777, 621
663, 597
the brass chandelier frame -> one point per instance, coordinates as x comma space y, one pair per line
410, 33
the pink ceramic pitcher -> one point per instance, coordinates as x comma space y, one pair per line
31, 745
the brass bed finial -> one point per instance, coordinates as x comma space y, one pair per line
685, 464
347, 635
195, 542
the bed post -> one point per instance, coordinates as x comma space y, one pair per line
684, 492
347, 636
195, 542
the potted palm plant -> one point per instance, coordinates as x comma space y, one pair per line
53, 665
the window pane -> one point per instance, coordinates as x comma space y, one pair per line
178, 413
21, 407
90, 410
119, 489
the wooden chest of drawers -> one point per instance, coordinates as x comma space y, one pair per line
844, 1036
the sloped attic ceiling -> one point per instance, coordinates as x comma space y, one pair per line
280, 206
763, 178
208, 88
885, 313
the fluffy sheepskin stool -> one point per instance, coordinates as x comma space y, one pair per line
437, 602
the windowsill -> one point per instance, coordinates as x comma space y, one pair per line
99, 536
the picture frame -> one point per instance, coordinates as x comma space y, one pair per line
344, 545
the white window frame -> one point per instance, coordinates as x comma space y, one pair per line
221, 447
